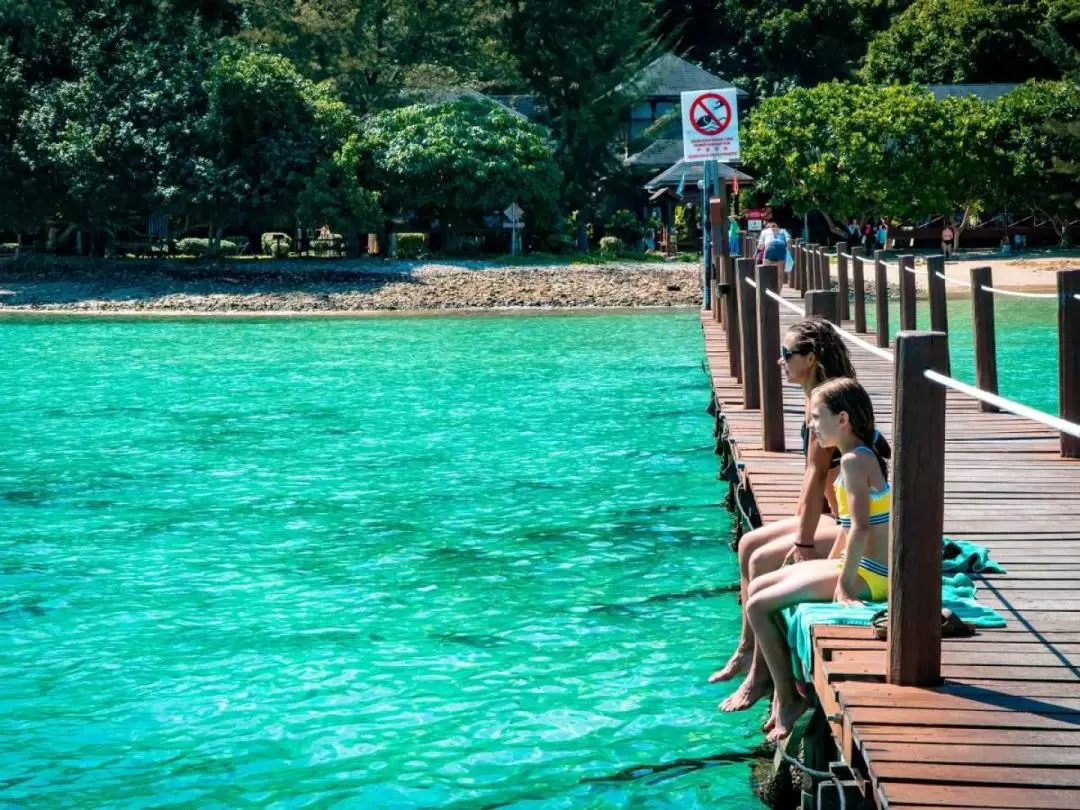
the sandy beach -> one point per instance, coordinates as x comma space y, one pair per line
1030, 273
369, 285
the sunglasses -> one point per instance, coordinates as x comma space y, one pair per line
786, 353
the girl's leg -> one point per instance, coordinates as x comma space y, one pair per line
807, 582
763, 556
758, 681
748, 544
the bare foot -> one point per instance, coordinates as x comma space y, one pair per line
786, 717
746, 695
772, 716
736, 665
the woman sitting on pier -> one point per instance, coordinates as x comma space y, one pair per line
857, 569
811, 353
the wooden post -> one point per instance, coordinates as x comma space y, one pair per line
795, 272
825, 270
715, 300
731, 322
772, 395
842, 279
803, 268
751, 381
1069, 356
939, 313
982, 324
824, 303
908, 306
858, 283
918, 512
881, 299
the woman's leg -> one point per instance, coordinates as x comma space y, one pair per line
748, 545
813, 581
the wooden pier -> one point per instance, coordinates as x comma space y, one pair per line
996, 723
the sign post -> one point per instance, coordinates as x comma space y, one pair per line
514, 213
710, 128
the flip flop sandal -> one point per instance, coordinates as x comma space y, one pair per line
952, 626
880, 624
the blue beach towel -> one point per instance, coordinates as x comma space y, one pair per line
957, 594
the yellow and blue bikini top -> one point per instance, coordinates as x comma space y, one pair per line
880, 499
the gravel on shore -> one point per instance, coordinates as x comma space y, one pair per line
343, 286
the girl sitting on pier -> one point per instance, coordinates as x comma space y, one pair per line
811, 353
842, 417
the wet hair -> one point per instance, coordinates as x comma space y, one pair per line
830, 351
846, 395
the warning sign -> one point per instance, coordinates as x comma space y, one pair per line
710, 125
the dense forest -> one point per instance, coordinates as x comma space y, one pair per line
227, 117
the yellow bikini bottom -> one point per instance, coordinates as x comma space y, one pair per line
874, 574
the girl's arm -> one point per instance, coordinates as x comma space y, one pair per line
857, 484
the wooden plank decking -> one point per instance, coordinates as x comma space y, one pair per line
1003, 730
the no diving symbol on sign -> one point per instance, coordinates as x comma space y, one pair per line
710, 114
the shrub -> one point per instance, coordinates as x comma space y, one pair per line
626, 226
411, 245
561, 243
611, 246
200, 248
274, 246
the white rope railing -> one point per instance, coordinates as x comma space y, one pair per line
1017, 293
845, 255
1054, 422
948, 280
858, 341
781, 300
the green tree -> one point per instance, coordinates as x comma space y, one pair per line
370, 50
460, 162
1040, 150
956, 41
578, 65
851, 150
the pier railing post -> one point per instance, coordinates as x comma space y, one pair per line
939, 311
731, 321
748, 320
918, 512
823, 303
824, 269
772, 394
796, 255
1068, 284
842, 280
982, 324
804, 269
858, 283
881, 299
908, 305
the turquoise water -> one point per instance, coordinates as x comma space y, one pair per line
435, 562
1027, 346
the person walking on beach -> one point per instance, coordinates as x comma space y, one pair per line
947, 237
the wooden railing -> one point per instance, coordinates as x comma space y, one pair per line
750, 313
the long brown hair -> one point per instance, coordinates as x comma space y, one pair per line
831, 355
846, 395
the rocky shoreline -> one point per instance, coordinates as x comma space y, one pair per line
344, 286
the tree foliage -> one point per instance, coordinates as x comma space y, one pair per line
460, 161
578, 65
851, 150
957, 41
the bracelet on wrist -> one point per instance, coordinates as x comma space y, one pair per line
803, 545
